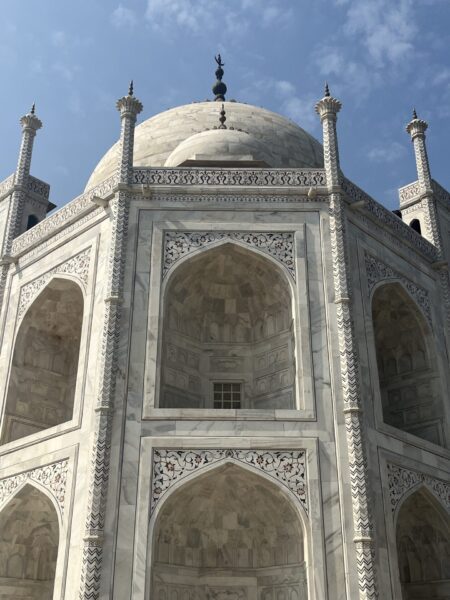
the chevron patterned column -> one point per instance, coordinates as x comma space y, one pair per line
30, 125
327, 108
416, 129
129, 108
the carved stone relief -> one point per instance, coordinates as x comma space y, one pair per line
279, 245
378, 271
401, 480
78, 265
286, 467
52, 477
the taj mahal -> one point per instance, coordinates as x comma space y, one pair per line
224, 368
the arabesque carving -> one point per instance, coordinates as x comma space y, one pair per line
401, 480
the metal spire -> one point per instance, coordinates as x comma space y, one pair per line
222, 118
414, 114
130, 89
327, 90
219, 88
33, 109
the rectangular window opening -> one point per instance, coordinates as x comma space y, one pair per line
227, 395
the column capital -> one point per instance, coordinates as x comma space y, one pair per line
129, 106
30, 121
328, 107
416, 127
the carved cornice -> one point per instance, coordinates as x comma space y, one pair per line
77, 266
63, 217
409, 193
378, 271
230, 177
52, 477
287, 467
6, 186
401, 480
38, 187
279, 245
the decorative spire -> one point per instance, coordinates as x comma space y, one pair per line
219, 88
414, 114
416, 129
222, 118
33, 108
327, 90
130, 89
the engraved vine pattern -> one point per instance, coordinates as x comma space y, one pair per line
78, 265
401, 480
286, 467
378, 271
279, 245
52, 477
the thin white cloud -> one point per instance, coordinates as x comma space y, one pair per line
123, 17
387, 152
235, 17
59, 39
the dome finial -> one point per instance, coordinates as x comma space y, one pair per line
327, 90
219, 88
414, 114
33, 108
222, 118
130, 89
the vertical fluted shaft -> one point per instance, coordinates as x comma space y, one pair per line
416, 129
129, 108
30, 124
327, 108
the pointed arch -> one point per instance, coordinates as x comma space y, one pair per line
423, 546
227, 319
231, 528
406, 357
44, 367
29, 541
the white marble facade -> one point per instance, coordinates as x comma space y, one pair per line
226, 377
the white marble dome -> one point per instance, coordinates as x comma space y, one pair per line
274, 139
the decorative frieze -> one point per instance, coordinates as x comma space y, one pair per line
287, 467
378, 271
230, 177
401, 480
6, 186
410, 192
279, 245
77, 266
52, 477
38, 187
63, 217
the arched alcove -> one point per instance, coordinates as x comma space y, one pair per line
423, 548
228, 338
229, 534
408, 377
45, 362
29, 538
415, 224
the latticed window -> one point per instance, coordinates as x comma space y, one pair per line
227, 395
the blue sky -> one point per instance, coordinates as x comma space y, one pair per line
74, 59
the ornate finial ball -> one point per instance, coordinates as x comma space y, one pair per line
414, 114
130, 89
327, 90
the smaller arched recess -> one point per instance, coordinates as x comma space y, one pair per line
227, 336
29, 539
228, 534
45, 362
407, 370
423, 547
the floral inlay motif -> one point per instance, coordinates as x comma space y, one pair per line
378, 271
288, 467
401, 480
52, 477
280, 245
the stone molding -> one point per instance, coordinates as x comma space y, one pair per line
401, 480
52, 477
410, 192
38, 187
279, 245
230, 177
6, 185
77, 265
63, 217
287, 467
378, 271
